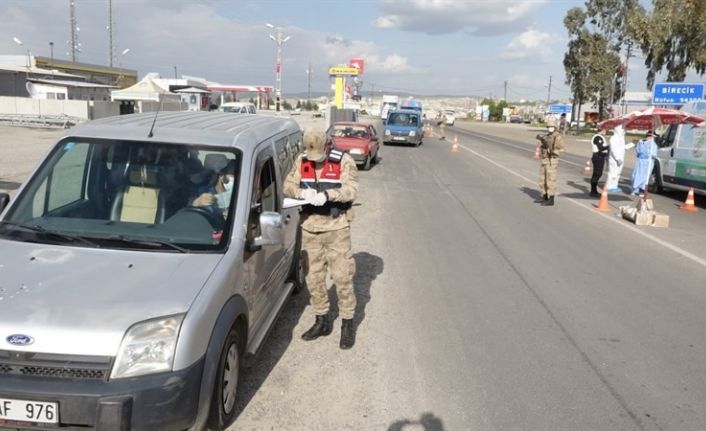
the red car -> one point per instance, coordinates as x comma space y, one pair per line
357, 139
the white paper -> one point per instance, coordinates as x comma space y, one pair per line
291, 203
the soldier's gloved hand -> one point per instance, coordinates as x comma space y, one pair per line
307, 194
318, 200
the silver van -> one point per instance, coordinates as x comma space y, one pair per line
140, 264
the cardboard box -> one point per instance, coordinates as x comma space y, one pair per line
644, 218
660, 220
644, 205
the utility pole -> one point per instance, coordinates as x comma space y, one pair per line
279, 39
505, 91
175, 72
625, 78
74, 31
110, 33
308, 92
549, 92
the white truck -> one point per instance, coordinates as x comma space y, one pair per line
681, 157
389, 103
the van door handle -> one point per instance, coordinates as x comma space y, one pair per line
671, 152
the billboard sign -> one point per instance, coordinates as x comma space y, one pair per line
343, 70
358, 63
676, 93
560, 108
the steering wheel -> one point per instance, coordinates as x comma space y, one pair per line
214, 220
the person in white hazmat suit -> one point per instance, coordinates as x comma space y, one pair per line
616, 159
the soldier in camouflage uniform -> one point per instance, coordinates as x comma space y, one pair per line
552, 144
328, 180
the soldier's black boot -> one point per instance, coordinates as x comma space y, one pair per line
549, 202
322, 327
594, 190
542, 199
347, 334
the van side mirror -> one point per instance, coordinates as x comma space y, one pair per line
4, 200
270, 230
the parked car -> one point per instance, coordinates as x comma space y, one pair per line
238, 107
515, 118
128, 306
357, 139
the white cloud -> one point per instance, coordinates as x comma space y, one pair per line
530, 44
449, 16
194, 38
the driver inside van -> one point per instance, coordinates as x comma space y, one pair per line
215, 197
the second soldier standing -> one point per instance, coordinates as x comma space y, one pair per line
552, 144
328, 179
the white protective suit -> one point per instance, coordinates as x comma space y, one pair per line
616, 158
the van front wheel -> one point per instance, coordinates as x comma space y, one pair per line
224, 392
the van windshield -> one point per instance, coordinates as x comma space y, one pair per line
400, 119
128, 194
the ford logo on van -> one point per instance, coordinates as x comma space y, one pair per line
20, 340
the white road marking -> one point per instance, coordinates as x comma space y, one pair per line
619, 222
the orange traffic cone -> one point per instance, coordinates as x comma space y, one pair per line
587, 169
603, 203
454, 146
689, 203
536, 153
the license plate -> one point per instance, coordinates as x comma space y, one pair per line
399, 138
29, 411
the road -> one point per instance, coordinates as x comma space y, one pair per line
481, 310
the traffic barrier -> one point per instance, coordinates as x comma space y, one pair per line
587, 169
536, 153
454, 146
689, 203
603, 203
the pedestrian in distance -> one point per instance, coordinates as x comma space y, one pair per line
616, 159
645, 152
600, 149
562, 124
328, 180
441, 122
552, 144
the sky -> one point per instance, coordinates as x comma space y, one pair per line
416, 47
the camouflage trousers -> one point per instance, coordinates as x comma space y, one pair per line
547, 175
329, 250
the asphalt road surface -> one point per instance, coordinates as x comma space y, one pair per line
478, 309
481, 310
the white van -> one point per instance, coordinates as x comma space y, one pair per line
238, 107
681, 158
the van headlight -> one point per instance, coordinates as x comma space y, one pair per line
387, 132
413, 133
148, 347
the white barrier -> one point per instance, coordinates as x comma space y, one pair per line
38, 107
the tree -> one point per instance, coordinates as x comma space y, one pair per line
591, 62
673, 37
286, 106
299, 104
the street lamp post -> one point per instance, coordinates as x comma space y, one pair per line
279, 39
